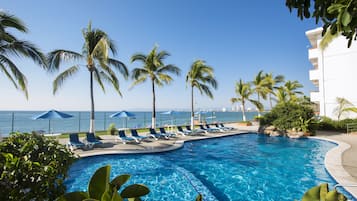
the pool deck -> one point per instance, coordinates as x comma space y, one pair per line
341, 161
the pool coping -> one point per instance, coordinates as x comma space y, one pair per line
334, 166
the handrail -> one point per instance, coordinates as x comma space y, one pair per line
345, 185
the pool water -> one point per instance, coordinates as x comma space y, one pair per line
242, 167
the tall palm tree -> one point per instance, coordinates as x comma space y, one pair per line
200, 76
100, 66
291, 88
272, 83
261, 88
154, 69
244, 92
11, 46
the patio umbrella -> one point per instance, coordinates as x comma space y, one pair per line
52, 114
123, 114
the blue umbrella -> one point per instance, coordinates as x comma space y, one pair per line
123, 114
52, 114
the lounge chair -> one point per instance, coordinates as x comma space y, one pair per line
195, 131
183, 132
136, 136
74, 142
228, 128
209, 129
92, 140
124, 139
163, 132
156, 135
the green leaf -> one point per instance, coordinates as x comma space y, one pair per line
332, 196
135, 190
99, 182
118, 181
313, 194
335, 8
73, 196
323, 191
346, 18
199, 197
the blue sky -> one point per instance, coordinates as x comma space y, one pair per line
238, 38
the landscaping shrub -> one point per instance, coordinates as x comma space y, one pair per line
33, 167
333, 125
111, 129
286, 116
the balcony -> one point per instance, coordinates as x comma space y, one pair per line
314, 74
315, 96
314, 55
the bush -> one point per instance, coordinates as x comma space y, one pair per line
111, 129
286, 116
32, 167
334, 125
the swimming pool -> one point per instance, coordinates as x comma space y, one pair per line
241, 167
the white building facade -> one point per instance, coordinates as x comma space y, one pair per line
334, 73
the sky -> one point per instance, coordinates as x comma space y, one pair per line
236, 37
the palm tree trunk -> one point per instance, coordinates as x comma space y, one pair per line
259, 115
192, 110
91, 123
243, 111
153, 118
271, 103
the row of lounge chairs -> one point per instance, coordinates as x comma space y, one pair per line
92, 141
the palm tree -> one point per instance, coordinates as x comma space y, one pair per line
200, 76
95, 52
291, 88
244, 91
154, 69
261, 87
281, 95
343, 105
272, 84
11, 46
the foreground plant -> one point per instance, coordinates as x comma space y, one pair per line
101, 189
33, 167
322, 192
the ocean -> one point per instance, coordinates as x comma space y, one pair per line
22, 121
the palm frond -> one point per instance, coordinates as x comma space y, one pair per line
17, 74
11, 21
97, 77
138, 81
206, 90
138, 57
120, 66
169, 69
8, 75
137, 73
165, 78
55, 58
29, 50
63, 76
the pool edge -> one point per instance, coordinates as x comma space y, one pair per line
333, 165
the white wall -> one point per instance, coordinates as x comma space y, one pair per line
339, 70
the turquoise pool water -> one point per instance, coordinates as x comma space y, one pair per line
242, 167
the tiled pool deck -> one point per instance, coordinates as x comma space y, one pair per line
341, 161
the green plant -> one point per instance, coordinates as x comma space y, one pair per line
289, 115
100, 188
111, 129
32, 167
322, 192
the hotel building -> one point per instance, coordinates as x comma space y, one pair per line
334, 73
